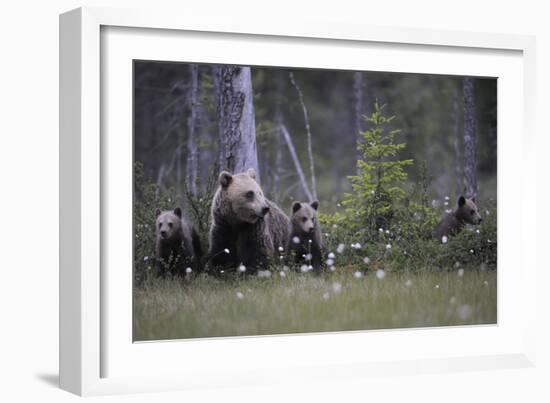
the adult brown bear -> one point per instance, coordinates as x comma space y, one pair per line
246, 227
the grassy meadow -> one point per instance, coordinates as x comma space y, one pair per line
302, 302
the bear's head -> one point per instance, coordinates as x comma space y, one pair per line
168, 223
304, 216
467, 211
245, 197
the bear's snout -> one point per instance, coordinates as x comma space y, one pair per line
163, 233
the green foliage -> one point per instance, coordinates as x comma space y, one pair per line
148, 197
378, 185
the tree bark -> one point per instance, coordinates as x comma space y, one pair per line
192, 149
457, 143
308, 133
470, 163
294, 156
237, 127
359, 107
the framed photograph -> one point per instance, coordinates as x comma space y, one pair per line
242, 198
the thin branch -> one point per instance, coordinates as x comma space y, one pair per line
308, 132
292, 150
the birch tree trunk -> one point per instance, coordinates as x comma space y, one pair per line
359, 107
192, 149
308, 133
237, 127
470, 163
457, 144
294, 156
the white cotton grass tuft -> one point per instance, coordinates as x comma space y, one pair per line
340, 248
242, 268
264, 274
447, 198
444, 239
239, 295
326, 296
452, 301
457, 265
145, 258
381, 230
388, 246
387, 232
336, 288
437, 286
380, 274
332, 268
330, 262
408, 283
366, 260
308, 257
471, 251
281, 249
188, 270
460, 272
334, 226
303, 268
355, 245
357, 274
485, 283
331, 255
295, 239
282, 274
286, 268
226, 251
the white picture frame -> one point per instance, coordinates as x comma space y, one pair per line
89, 338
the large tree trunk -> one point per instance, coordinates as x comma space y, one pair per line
470, 163
192, 149
237, 128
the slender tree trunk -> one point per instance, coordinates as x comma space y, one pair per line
237, 128
457, 144
294, 156
470, 163
192, 149
277, 172
308, 133
359, 108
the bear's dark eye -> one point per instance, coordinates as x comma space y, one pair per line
160, 224
304, 219
170, 224
250, 194
472, 212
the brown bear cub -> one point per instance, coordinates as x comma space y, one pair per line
177, 244
306, 242
452, 223
247, 229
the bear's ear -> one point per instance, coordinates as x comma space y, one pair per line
157, 213
461, 201
296, 206
177, 211
315, 204
250, 172
225, 178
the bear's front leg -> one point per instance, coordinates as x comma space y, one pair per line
222, 253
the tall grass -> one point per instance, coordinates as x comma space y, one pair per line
297, 303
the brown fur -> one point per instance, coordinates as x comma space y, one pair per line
177, 244
452, 223
306, 229
245, 223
